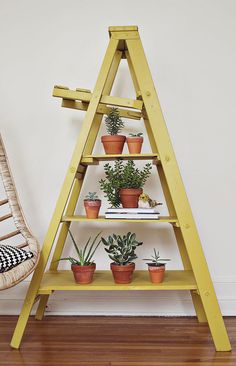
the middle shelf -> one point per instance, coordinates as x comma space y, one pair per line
162, 219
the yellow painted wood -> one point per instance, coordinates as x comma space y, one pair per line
103, 280
90, 159
125, 42
41, 307
123, 28
178, 194
102, 109
77, 218
105, 99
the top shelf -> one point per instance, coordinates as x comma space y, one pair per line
94, 159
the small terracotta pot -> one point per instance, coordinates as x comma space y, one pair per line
113, 144
130, 196
156, 274
134, 144
122, 274
83, 274
92, 208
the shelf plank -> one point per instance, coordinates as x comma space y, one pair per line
77, 218
91, 159
103, 280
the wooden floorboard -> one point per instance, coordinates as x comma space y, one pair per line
114, 341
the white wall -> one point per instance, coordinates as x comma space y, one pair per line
191, 49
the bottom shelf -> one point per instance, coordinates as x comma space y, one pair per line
103, 280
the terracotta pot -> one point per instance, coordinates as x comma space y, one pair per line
83, 274
156, 274
134, 144
92, 208
130, 196
113, 144
122, 274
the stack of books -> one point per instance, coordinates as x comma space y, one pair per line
132, 213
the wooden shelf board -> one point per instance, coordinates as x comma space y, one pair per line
103, 280
89, 159
76, 218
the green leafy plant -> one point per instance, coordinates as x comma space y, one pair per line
122, 175
121, 249
114, 123
91, 196
86, 254
139, 134
155, 259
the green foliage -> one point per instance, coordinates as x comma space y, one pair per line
114, 123
121, 248
122, 175
155, 259
139, 134
91, 196
84, 255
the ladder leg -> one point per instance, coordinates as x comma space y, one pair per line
179, 197
78, 183
41, 307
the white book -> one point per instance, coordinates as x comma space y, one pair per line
132, 210
128, 216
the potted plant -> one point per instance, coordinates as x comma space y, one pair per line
156, 267
124, 183
121, 250
83, 268
92, 205
135, 142
113, 143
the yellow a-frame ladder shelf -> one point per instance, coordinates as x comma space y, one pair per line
125, 43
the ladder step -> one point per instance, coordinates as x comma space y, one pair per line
103, 280
77, 218
94, 159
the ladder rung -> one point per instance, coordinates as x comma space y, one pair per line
5, 217
102, 109
10, 235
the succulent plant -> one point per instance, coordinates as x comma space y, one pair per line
91, 196
121, 249
155, 259
122, 176
86, 254
114, 123
139, 134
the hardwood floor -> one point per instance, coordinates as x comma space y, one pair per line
114, 341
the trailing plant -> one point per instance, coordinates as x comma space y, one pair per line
91, 196
121, 249
114, 123
155, 259
139, 134
122, 175
86, 254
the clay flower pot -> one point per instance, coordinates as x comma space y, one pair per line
113, 144
134, 144
122, 274
83, 274
130, 196
92, 208
156, 273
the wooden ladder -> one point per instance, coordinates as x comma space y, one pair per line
125, 43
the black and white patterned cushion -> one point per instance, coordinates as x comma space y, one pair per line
11, 257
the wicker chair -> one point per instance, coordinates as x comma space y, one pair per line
28, 241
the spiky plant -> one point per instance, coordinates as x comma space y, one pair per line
156, 260
86, 254
121, 249
139, 134
91, 196
114, 123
